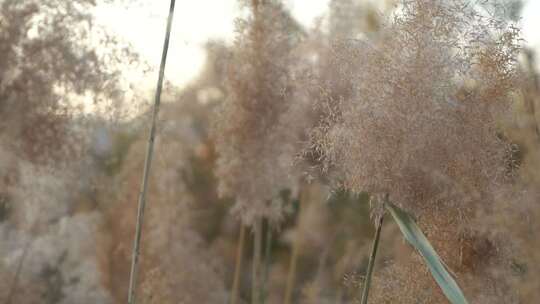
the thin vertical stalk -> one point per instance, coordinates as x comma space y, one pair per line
367, 283
256, 280
238, 267
18, 271
291, 277
26, 250
267, 254
530, 99
148, 162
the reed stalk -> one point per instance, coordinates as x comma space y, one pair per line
238, 267
367, 282
18, 271
257, 245
291, 277
148, 162
267, 262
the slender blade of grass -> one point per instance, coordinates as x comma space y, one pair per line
418, 240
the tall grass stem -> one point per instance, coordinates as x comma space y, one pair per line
267, 261
148, 162
13, 288
367, 282
256, 279
291, 277
238, 267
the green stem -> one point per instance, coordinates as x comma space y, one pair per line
367, 283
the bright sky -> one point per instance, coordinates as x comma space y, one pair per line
531, 23
196, 21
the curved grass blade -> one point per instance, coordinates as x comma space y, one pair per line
418, 240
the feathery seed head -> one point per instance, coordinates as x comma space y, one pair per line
253, 145
422, 114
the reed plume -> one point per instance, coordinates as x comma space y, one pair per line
421, 124
254, 148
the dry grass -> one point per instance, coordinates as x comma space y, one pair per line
426, 102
